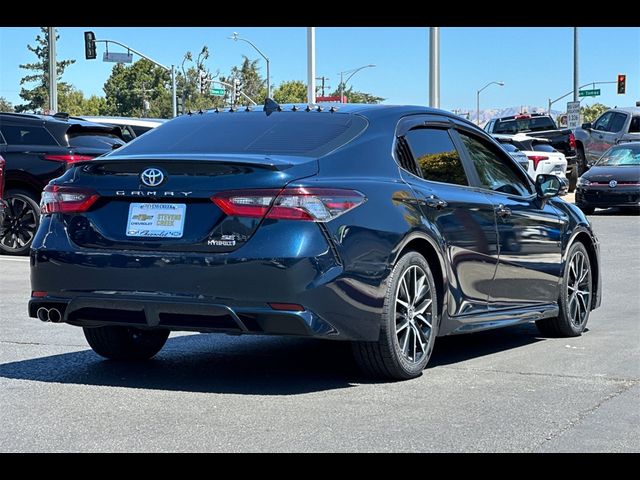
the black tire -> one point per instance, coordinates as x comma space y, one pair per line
587, 210
21, 221
571, 322
386, 358
573, 179
581, 160
125, 343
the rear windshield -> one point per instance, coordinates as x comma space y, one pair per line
543, 147
94, 140
281, 133
533, 124
509, 147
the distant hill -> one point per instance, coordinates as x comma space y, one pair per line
488, 114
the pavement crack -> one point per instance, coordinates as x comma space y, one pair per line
585, 413
542, 374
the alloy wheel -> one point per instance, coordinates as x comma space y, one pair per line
578, 289
413, 313
20, 224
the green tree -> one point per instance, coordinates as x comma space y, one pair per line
194, 83
354, 96
5, 105
73, 102
37, 97
591, 112
253, 85
129, 89
293, 91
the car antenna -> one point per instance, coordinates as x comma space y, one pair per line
271, 106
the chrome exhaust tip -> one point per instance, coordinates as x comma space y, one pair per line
43, 314
54, 315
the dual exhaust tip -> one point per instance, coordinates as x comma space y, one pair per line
49, 315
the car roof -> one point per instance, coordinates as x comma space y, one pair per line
62, 119
631, 110
369, 111
519, 137
141, 122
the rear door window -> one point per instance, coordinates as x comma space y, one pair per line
26, 135
436, 156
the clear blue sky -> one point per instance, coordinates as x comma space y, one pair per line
535, 63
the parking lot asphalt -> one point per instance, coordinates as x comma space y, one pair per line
503, 390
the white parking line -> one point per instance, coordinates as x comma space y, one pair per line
14, 259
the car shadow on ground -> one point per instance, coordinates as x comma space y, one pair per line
247, 365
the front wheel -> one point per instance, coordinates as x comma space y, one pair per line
125, 343
573, 179
409, 323
575, 297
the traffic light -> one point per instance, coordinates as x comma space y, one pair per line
237, 91
89, 45
622, 84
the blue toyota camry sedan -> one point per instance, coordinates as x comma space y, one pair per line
386, 226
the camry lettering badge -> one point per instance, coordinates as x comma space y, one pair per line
152, 177
613, 183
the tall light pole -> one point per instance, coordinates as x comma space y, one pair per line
434, 67
53, 72
575, 65
236, 37
311, 65
352, 72
501, 84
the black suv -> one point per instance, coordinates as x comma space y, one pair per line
38, 148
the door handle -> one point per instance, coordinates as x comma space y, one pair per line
435, 202
502, 211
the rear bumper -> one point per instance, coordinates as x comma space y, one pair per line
227, 292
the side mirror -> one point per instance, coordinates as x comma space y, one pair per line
586, 126
548, 186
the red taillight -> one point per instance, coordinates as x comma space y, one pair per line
536, 160
64, 199
2, 164
572, 141
310, 204
38, 294
69, 159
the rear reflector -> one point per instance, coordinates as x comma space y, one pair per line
292, 307
310, 204
68, 159
64, 199
38, 294
537, 159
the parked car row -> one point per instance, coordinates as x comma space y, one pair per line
39, 148
540, 156
540, 125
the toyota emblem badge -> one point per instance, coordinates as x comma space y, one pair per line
152, 177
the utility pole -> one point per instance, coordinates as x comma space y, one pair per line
311, 65
434, 67
53, 72
575, 66
323, 78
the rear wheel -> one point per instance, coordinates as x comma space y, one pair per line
22, 217
575, 297
581, 160
125, 343
409, 323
